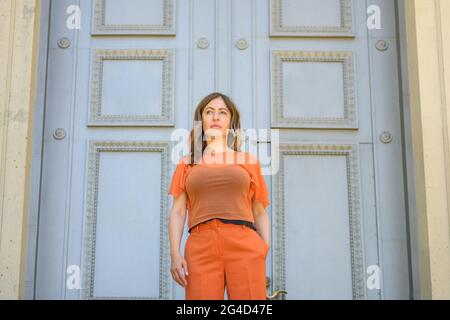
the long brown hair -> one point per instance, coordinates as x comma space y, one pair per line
233, 140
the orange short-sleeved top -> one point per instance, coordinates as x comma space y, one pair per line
220, 186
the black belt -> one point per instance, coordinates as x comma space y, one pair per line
247, 223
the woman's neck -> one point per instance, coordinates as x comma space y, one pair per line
217, 147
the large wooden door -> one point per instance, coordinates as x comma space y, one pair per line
117, 88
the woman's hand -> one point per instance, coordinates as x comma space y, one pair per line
178, 268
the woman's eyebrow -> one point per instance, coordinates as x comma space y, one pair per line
221, 108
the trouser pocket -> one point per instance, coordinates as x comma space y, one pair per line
261, 243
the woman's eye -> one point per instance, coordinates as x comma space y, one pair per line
223, 112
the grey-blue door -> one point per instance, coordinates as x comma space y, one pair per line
134, 71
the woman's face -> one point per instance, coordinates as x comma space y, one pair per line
216, 118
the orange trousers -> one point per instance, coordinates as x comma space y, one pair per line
221, 255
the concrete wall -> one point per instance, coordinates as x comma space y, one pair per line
428, 47
19, 34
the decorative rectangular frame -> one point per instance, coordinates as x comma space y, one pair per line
350, 119
95, 148
351, 153
100, 28
278, 30
167, 113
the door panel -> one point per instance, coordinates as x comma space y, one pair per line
321, 77
112, 93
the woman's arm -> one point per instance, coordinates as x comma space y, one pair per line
262, 222
177, 218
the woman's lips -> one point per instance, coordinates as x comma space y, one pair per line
218, 127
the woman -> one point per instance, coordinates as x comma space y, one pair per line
226, 196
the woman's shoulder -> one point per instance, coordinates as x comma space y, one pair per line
184, 160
